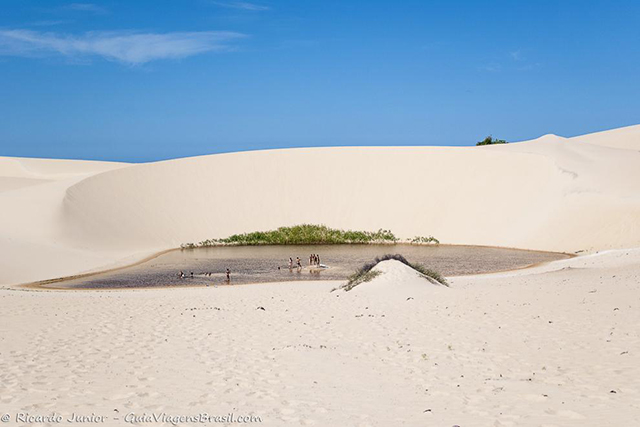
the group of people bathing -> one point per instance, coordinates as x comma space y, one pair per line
314, 260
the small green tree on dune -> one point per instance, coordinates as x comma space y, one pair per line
491, 141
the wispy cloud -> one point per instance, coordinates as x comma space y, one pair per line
491, 67
241, 5
524, 63
127, 47
87, 7
49, 23
529, 67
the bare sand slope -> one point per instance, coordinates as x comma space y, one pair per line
32, 243
551, 194
18, 173
627, 138
551, 346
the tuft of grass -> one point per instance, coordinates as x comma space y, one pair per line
361, 278
364, 273
422, 239
304, 234
429, 273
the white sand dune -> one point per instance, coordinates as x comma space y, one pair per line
554, 345
396, 281
553, 193
519, 196
32, 240
627, 138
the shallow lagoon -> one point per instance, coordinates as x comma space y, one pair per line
256, 264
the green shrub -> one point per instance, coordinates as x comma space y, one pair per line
305, 234
422, 239
490, 141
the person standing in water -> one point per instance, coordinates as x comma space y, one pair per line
290, 263
228, 274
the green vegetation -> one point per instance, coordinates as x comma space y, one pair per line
490, 141
364, 274
422, 239
305, 234
430, 273
361, 278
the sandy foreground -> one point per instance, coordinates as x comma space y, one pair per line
556, 345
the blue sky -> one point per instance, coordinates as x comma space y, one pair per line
150, 80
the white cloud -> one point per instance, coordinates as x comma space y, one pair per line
127, 47
49, 23
529, 67
241, 5
491, 67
